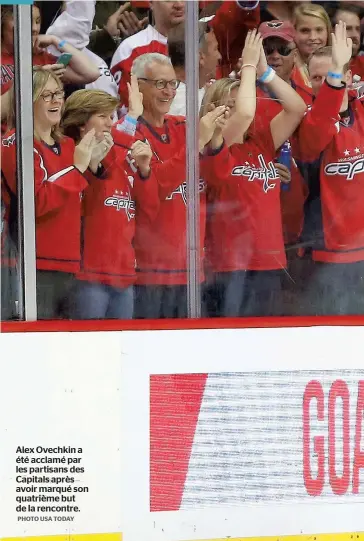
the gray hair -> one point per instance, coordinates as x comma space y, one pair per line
143, 61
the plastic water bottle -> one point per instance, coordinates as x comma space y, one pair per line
285, 158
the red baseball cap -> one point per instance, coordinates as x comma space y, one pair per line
278, 29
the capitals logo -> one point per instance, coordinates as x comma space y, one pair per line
265, 173
345, 169
122, 201
182, 191
9, 141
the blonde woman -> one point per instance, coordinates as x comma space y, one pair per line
59, 182
105, 283
245, 240
313, 30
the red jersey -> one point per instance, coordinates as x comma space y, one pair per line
332, 154
246, 225
292, 200
58, 187
160, 247
148, 40
357, 66
110, 204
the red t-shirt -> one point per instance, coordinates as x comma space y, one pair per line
112, 205
58, 186
292, 200
357, 66
160, 246
332, 151
245, 225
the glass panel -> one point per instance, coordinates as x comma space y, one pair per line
284, 235
11, 288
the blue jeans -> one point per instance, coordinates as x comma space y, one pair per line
91, 300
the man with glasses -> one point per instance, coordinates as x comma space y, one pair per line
153, 39
160, 246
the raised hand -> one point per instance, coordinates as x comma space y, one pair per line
142, 154
342, 47
83, 151
252, 48
124, 23
135, 109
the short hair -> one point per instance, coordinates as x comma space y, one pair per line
143, 61
325, 52
80, 107
350, 8
177, 42
306, 9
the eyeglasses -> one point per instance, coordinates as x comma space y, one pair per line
160, 84
50, 96
283, 50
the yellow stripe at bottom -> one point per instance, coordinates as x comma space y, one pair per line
350, 536
69, 537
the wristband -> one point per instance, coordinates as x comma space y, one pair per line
267, 76
335, 75
62, 43
131, 120
247, 66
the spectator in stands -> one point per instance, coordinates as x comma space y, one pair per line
119, 23
280, 49
74, 25
281, 11
331, 146
247, 249
209, 58
59, 182
313, 30
79, 70
161, 248
152, 39
349, 14
104, 286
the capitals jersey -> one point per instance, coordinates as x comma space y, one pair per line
245, 224
332, 160
58, 188
148, 40
160, 246
110, 205
357, 66
292, 200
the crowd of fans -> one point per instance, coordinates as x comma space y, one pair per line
281, 151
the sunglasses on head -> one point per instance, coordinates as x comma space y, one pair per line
283, 50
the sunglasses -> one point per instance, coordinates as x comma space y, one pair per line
283, 50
